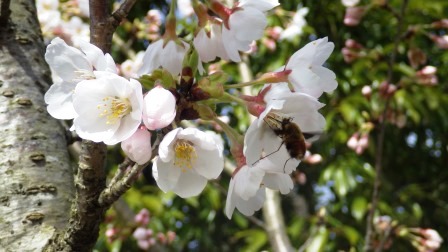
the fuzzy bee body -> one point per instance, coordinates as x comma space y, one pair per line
290, 133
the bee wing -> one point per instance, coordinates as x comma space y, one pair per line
312, 136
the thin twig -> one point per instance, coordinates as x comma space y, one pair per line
122, 182
123, 10
380, 139
112, 193
384, 239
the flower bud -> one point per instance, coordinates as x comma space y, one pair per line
138, 147
158, 77
353, 15
159, 108
441, 41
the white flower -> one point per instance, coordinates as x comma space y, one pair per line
109, 108
48, 15
70, 66
210, 46
247, 197
245, 24
77, 30
169, 57
187, 159
308, 75
84, 7
138, 146
295, 28
261, 140
349, 3
184, 7
159, 108
130, 67
247, 187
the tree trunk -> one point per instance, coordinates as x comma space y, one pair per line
36, 179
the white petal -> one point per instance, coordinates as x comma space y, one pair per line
247, 182
246, 207
127, 128
94, 55
278, 181
60, 100
230, 45
252, 143
172, 56
248, 25
202, 44
66, 60
165, 174
166, 152
150, 60
262, 5
190, 184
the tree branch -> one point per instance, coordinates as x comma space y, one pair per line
381, 135
5, 11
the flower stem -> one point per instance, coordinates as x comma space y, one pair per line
233, 98
235, 137
244, 84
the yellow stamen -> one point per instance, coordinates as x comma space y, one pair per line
184, 154
114, 108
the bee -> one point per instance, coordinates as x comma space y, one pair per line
292, 136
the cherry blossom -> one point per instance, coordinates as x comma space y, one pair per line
246, 23
210, 44
168, 56
260, 138
246, 197
187, 159
109, 108
70, 66
307, 73
295, 28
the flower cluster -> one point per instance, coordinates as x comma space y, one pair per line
287, 116
167, 84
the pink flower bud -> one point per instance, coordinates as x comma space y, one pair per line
170, 236
431, 234
366, 91
427, 76
140, 233
142, 217
159, 108
441, 41
313, 159
144, 244
353, 15
138, 146
349, 55
270, 44
441, 24
353, 44
161, 238
353, 141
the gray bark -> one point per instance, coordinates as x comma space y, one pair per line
36, 180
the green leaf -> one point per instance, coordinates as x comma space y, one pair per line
359, 208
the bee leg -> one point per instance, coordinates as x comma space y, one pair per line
284, 166
268, 154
